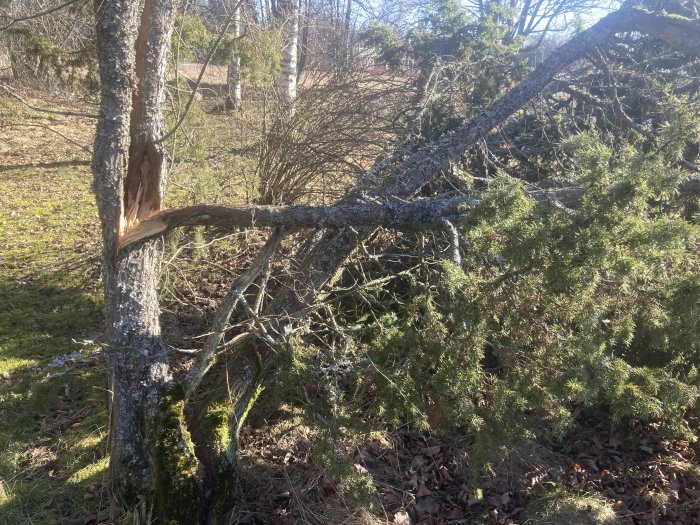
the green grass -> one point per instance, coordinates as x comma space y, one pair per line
52, 418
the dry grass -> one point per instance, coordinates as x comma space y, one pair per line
572, 510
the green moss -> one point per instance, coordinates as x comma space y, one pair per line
52, 419
216, 426
178, 490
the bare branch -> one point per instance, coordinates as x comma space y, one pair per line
52, 130
14, 95
213, 49
205, 359
388, 213
37, 15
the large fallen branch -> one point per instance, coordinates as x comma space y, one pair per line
389, 206
355, 217
389, 213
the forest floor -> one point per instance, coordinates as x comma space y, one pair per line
53, 414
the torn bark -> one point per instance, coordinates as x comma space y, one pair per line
151, 453
419, 168
151, 457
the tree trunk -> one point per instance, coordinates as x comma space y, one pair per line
173, 454
153, 470
234, 100
287, 80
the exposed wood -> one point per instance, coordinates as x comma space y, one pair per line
151, 460
398, 215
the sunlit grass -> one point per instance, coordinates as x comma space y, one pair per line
52, 418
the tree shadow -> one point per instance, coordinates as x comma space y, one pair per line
44, 165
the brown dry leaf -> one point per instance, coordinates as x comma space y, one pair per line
359, 469
328, 487
427, 505
418, 461
431, 451
402, 518
456, 514
423, 491
444, 474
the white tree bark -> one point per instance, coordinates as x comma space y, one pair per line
287, 79
234, 100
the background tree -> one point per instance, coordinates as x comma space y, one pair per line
288, 15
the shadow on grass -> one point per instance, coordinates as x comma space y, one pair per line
52, 418
46, 165
39, 320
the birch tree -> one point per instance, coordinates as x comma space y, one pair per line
288, 12
233, 79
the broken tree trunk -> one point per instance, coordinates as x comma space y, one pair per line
153, 471
161, 466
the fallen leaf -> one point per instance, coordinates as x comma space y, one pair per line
423, 491
359, 469
432, 451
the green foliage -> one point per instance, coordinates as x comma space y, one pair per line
259, 52
260, 56
357, 490
386, 41
463, 63
192, 40
43, 58
551, 309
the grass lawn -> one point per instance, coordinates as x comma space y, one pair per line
53, 412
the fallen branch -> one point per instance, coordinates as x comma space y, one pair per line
388, 213
393, 214
207, 357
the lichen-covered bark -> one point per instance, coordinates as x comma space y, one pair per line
153, 470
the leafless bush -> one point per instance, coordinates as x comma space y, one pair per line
335, 131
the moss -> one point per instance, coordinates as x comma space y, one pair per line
177, 491
252, 396
216, 426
